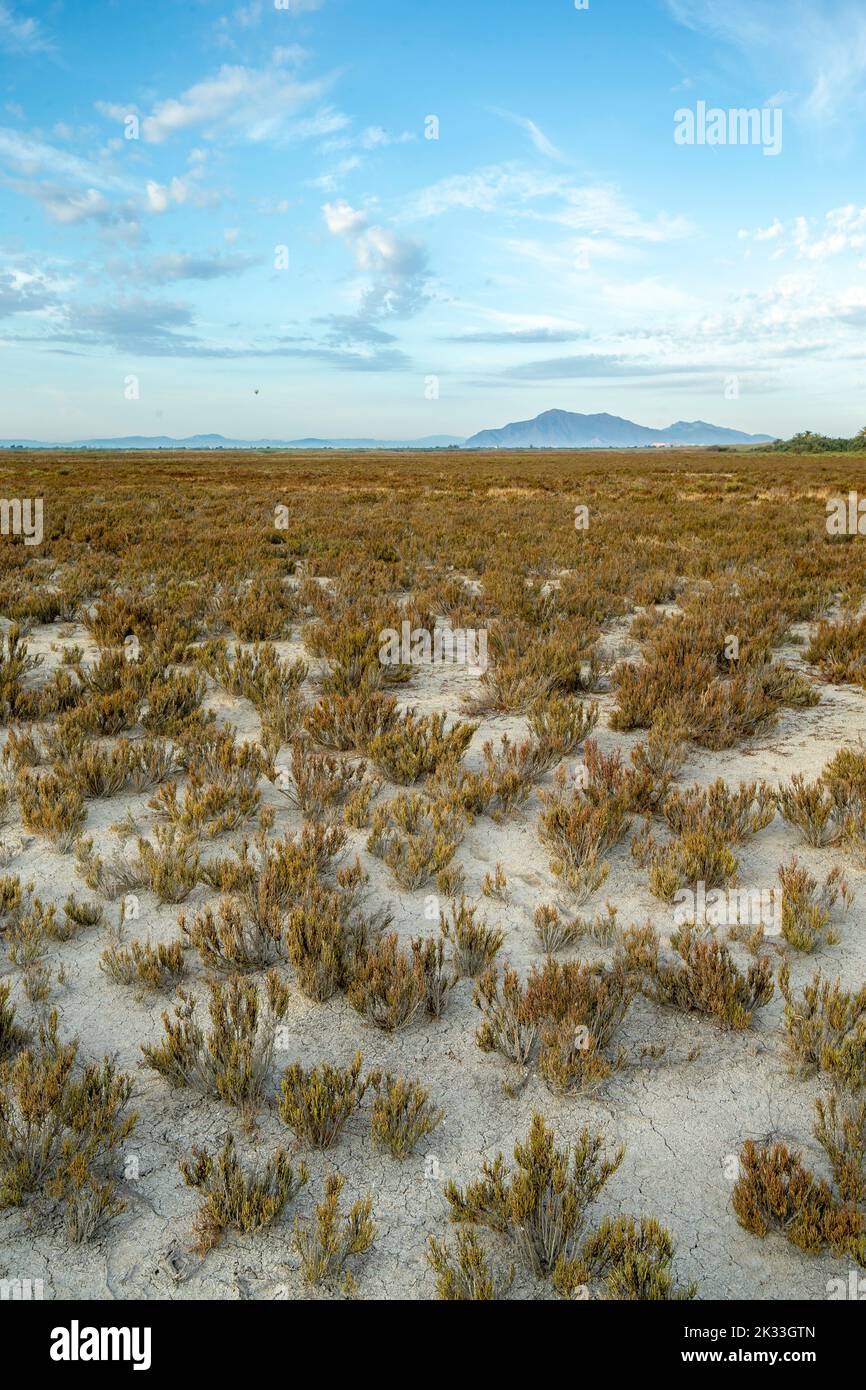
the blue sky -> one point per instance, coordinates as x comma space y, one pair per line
280, 250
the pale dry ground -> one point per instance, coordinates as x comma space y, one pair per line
680, 1120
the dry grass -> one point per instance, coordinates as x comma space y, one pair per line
277, 915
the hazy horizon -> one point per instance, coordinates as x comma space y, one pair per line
304, 218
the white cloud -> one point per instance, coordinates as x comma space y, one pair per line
255, 104
290, 53
34, 157
818, 47
343, 220
75, 207
769, 233
547, 197
843, 230
647, 296
180, 189
19, 35
535, 133
396, 267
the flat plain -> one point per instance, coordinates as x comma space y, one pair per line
198, 724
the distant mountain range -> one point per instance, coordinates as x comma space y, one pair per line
563, 429
219, 441
553, 429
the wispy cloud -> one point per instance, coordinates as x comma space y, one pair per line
176, 266
547, 197
20, 35
816, 47
32, 156
535, 133
255, 104
592, 365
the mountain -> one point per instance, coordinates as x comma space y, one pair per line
218, 441
554, 429
564, 429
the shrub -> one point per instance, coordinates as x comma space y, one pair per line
61, 1128
474, 945
806, 906
98, 772
234, 1198
429, 955
78, 914
108, 877
687, 677
542, 1205
259, 611
509, 1025
697, 856
469, 793
554, 933
541, 1208
633, 1258
174, 702
281, 719
27, 933
232, 939
826, 1029
257, 675
402, 1115
16, 702
561, 725
351, 642
209, 808
102, 715
709, 982
717, 810
465, 1275
115, 615
840, 1129
838, 649
578, 1008
656, 762
322, 783
578, 832
511, 773
415, 745
845, 779
327, 1244
323, 938
494, 885
151, 967
776, 1191
351, 721
416, 837
389, 986
232, 1062
170, 868
52, 806
811, 808
11, 1036
316, 1104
